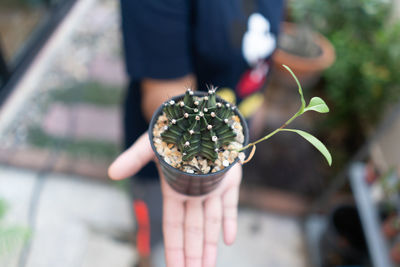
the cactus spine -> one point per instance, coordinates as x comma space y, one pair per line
198, 126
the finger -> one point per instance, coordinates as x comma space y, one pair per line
193, 233
212, 227
230, 211
173, 223
132, 160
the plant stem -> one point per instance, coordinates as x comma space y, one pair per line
298, 113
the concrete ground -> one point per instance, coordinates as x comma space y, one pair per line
75, 221
71, 221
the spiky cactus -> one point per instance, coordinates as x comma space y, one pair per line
199, 126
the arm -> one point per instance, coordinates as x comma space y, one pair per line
155, 92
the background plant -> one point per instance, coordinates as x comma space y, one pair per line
10, 236
364, 80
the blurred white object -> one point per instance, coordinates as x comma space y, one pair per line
258, 42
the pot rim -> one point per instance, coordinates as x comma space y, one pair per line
312, 64
157, 113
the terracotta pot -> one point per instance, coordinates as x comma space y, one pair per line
395, 253
343, 242
307, 69
391, 227
186, 183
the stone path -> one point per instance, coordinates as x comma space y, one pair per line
72, 95
88, 121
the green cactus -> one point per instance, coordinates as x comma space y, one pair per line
198, 126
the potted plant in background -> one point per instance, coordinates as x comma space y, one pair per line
308, 51
198, 136
364, 80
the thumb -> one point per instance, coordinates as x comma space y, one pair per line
132, 160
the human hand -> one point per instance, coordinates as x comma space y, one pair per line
191, 225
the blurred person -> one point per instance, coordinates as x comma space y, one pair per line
171, 45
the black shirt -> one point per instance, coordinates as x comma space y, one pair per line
226, 43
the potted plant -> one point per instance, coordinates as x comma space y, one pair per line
395, 253
308, 52
198, 136
302, 44
343, 242
365, 72
391, 227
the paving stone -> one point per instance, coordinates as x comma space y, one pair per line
63, 164
98, 204
264, 239
114, 254
98, 123
89, 168
76, 220
38, 159
108, 70
386, 150
278, 201
70, 215
67, 164
5, 154
83, 121
16, 187
58, 243
57, 121
33, 158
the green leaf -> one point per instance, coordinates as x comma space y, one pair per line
318, 105
11, 238
303, 102
3, 208
315, 142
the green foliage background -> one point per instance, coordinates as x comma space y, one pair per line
365, 77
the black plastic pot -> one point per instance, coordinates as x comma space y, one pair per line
186, 183
344, 242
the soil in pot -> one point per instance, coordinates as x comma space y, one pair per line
300, 43
198, 165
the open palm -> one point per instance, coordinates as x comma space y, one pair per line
191, 225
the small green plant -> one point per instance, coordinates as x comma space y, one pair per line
199, 126
10, 236
316, 104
